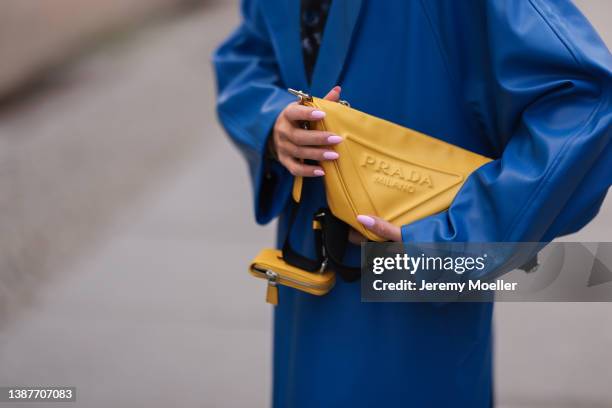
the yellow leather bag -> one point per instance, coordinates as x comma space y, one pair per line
269, 265
385, 169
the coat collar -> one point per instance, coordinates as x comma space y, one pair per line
283, 17
335, 46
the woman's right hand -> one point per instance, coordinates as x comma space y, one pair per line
293, 145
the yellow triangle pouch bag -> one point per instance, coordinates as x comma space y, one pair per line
385, 169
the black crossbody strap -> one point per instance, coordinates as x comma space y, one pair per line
294, 258
331, 238
334, 238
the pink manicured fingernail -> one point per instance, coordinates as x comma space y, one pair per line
333, 139
318, 172
317, 114
330, 155
366, 220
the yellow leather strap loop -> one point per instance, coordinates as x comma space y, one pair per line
296, 193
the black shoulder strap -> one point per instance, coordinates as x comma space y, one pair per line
331, 239
290, 255
334, 239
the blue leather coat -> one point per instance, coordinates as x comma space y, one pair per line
527, 82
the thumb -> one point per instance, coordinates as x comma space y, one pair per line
334, 94
380, 227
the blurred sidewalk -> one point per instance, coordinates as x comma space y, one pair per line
37, 35
111, 278
126, 231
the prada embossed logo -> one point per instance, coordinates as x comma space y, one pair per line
399, 177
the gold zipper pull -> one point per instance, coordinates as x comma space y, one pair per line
272, 291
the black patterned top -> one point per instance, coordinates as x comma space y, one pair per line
313, 16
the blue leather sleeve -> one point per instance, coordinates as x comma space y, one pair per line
250, 97
540, 86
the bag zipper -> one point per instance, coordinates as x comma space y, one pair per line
274, 277
272, 291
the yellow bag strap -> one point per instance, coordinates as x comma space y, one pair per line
296, 193
298, 180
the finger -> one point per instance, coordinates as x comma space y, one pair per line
355, 237
306, 152
295, 112
298, 168
381, 227
334, 94
312, 137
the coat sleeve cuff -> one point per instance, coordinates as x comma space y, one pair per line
435, 228
273, 183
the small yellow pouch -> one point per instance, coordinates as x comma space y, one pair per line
269, 265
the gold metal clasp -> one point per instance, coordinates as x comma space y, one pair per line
302, 96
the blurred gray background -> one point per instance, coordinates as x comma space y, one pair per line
126, 229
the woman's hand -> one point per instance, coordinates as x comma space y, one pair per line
378, 226
292, 144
